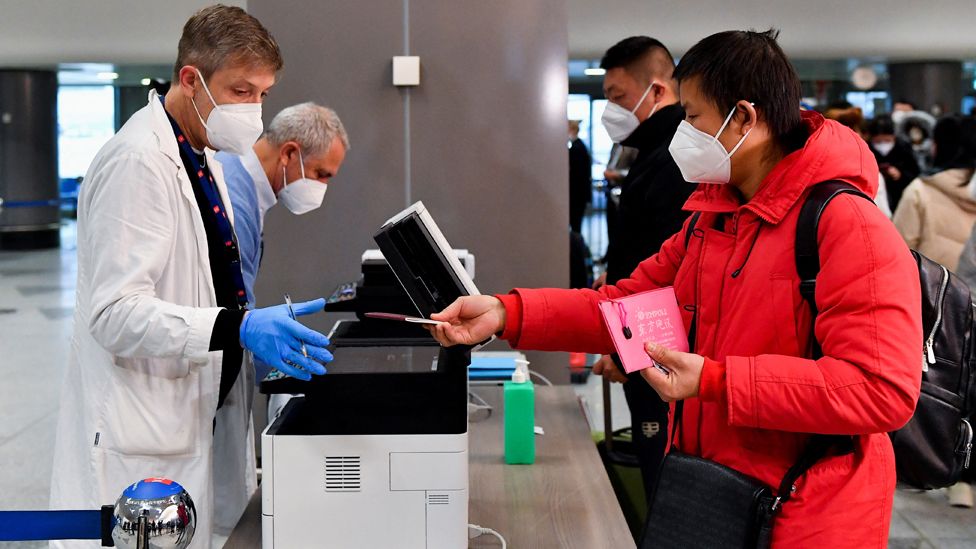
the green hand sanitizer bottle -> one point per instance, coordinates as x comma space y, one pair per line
520, 417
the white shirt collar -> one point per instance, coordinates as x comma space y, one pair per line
266, 197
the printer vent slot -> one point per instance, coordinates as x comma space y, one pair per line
438, 499
343, 474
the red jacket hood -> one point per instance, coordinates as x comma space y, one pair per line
832, 151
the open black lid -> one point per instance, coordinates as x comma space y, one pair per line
422, 260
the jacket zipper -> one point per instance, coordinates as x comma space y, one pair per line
969, 442
928, 355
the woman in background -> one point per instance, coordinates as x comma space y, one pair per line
952, 221
936, 213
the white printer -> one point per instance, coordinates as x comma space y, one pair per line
375, 454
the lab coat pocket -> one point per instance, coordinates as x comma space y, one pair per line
170, 368
151, 415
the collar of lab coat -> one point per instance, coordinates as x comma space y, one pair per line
169, 147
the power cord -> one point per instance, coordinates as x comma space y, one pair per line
540, 376
475, 531
477, 404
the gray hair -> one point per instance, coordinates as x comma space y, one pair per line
312, 126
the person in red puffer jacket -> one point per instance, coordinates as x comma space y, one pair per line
752, 392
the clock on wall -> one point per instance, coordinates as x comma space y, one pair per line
864, 77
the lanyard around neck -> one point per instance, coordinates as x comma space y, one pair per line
204, 178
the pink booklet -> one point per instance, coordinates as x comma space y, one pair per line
638, 318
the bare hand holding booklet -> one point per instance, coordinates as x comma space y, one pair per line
652, 316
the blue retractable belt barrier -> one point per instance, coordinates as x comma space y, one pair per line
48, 525
32, 203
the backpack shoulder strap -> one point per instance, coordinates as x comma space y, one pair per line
807, 253
808, 266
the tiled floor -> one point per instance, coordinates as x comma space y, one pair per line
36, 302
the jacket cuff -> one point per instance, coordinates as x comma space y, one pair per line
201, 332
226, 330
712, 384
740, 378
513, 317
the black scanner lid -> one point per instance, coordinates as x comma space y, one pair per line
424, 263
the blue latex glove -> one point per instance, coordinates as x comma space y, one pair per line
276, 339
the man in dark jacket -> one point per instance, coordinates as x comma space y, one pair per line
643, 113
896, 159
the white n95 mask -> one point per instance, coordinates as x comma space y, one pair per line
302, 195
619, 122
701, 157
232, 127
884, 148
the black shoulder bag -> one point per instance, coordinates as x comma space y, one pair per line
704, 504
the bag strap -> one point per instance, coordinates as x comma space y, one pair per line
807, 251
678, 409
679, 405
691, 228
816, 448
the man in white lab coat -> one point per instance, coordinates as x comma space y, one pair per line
154, 385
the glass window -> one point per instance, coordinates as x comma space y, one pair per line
969, 105
590, 114
601, 144
578, 108
871, 103
86, 121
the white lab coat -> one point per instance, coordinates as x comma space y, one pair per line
140, 392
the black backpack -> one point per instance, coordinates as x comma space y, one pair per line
933, 448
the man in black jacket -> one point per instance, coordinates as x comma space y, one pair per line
643, 113
580, 181
896, 159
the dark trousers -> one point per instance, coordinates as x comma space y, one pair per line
576, 211
611, 216
649, 421
579, 275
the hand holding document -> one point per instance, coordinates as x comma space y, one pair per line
634, 320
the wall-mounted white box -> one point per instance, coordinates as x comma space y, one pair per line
406, 70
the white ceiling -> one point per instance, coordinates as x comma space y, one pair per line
887, 29
47, 32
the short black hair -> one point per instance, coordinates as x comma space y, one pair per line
968, 147
881, 125
840, 104
732, 66
955, 143
627, 52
